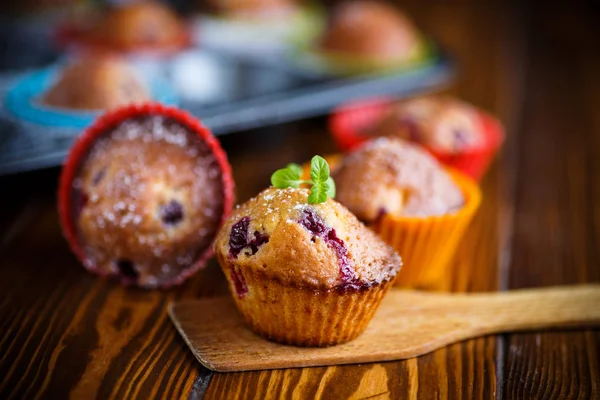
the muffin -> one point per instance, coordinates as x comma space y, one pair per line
252, 9
142, 195
138, 25
397, 178
370, 33
251, 27
415, 205
456, 133
303, 274
441, 123
96, 82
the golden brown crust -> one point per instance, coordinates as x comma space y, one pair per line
151, 195
392, 176
99, 82
372, 29
294, 255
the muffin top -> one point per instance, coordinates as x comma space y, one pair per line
392, 176
372, 29
96, 82
138, 23
322, 246
149, 200
441, 123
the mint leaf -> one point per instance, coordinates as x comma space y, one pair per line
322, 185
319, 170
318, 194
285, 178
296, 168
330, 188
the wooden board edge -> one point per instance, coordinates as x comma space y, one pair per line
175, 321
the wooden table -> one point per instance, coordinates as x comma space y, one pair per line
65, 332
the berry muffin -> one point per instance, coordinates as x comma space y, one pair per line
440, 123
366, 34
303, 274
137, 25
143, 194
98, 82
412, 202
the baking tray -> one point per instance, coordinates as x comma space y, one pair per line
227, 93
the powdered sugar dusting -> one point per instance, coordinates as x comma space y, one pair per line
315, 245
427, 189
158, 203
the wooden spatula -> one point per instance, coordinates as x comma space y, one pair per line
408, 324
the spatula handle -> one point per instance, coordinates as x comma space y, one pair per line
542, 308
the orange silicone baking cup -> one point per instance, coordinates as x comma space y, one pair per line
426, 244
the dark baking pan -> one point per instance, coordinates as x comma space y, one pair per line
228, 94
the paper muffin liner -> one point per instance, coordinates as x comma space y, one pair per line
301, 316
427, 244
349, 123
105, 123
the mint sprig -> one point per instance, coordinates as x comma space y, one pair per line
322, 185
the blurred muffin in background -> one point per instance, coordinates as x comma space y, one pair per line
441, 123
252, 9
143, 193
137, 25
96, 82
412, 202
458, 134
257, 26
371, 31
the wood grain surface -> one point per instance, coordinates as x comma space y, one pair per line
408, 324
66, 333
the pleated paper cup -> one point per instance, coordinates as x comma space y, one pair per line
301, 316
427, 244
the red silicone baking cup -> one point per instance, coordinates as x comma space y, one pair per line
70, 35
104, 124
349, 123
